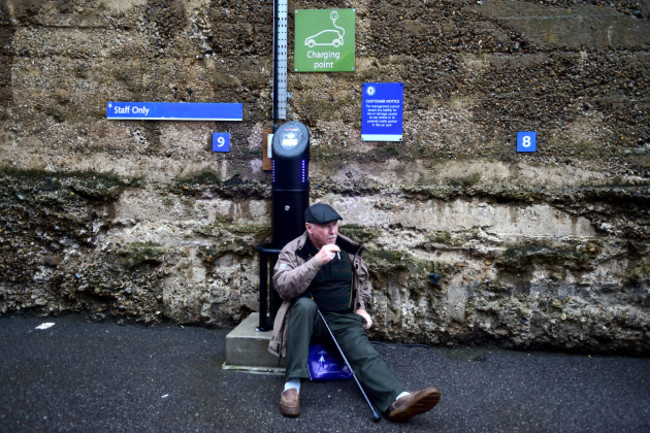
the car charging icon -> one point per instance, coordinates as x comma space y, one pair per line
328, 37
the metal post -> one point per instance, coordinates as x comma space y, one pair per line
269, 300
280, 11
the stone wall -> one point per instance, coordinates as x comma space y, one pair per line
468, 241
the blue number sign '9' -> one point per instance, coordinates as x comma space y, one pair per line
221, 142
527, 141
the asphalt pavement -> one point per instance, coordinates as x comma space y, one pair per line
84, 376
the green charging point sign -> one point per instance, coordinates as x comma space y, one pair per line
324, 40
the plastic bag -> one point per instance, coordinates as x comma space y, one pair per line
324, 365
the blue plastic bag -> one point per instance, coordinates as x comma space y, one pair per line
324, 365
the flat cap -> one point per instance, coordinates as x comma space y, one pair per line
321, 213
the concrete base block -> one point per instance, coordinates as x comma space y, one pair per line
246, 348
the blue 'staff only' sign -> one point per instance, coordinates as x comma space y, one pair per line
382, 111
527, 141
174, 111
221, 142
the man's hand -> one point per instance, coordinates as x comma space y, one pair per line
327, 253
366, 317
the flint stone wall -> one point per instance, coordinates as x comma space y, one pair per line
468, 241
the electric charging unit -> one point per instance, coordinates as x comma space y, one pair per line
290, 191
290, 199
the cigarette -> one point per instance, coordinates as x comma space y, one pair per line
338, 255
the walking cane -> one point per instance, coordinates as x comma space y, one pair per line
375, 415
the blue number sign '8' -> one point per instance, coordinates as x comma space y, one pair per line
221, 142
527, 141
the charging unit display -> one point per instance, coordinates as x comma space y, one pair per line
290, 188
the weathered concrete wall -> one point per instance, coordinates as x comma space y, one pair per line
141, 220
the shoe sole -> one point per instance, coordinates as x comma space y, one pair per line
290, 413
419, 405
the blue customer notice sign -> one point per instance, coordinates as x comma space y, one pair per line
382, 111
202, 111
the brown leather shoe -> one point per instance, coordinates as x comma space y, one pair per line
290, 403
413, 404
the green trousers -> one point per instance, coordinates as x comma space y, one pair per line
306, 327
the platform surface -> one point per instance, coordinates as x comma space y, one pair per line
82, 376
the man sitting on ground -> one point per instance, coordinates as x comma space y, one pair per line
324, 270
